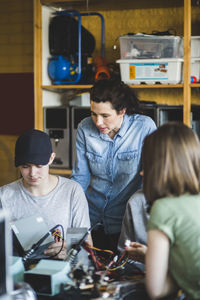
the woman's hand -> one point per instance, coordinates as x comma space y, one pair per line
137, 251
54, 248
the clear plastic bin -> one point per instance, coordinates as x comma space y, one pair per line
151, 46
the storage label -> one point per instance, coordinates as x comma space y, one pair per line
132, 71
143, 71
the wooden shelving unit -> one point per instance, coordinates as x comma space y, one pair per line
40, 86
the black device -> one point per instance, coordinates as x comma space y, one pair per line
56, 124
77, 113
63, 37
149, 109
170, 113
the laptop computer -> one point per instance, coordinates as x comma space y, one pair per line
27, 232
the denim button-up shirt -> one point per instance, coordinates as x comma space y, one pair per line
108, 169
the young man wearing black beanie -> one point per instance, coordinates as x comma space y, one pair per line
57, 199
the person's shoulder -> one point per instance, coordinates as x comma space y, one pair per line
145, 122
144, 118
10, 186
86, 122
138, 194
87, 127
137, 197
163, 204
68, 183
9, 191
141, 119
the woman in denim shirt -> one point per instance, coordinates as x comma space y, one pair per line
108, 155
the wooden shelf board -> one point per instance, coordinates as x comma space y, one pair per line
111, 4
154, 86
88, 86
68, 86
195, 85
60, 171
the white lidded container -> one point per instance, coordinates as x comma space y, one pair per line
144, 46
151, 71
195, 67
195, 46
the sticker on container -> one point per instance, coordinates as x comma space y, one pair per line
132, 71
145, 71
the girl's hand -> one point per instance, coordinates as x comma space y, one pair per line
136, 251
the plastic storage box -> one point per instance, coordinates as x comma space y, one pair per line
195, 46
151, 46
195, 68
151, 71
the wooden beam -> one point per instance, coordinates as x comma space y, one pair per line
38, 112
187, 64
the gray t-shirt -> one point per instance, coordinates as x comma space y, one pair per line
65, 205
134, 225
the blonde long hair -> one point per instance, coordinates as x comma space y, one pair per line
171, 162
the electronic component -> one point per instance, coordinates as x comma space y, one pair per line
17, 269
75, 239
48, 276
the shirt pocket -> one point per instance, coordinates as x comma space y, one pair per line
97, 163
127, 162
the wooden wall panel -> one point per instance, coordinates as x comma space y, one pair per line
8, 171
17, 110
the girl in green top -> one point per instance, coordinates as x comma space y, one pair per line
171, 183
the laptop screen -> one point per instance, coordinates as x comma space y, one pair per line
28, 231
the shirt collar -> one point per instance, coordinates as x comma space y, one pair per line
124, 126
121, 132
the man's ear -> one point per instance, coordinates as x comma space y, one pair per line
123, 111
51, 159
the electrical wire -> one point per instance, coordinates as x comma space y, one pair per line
57, 234
106, 265
101, 250
35, 246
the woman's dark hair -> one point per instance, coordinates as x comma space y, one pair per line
119, 94
171, 162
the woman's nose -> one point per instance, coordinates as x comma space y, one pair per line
99, 120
